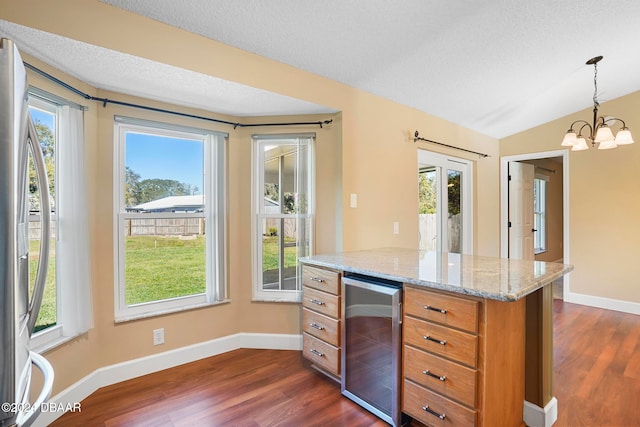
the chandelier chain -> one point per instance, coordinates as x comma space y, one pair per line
596, 104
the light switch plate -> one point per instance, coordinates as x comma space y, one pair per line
354, 200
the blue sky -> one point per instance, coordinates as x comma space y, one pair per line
152, 156
42, 117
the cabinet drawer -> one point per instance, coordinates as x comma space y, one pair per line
321, 302
323, 327
449, 310
443, 341
318, 278
418, 402
440, 375
321, 354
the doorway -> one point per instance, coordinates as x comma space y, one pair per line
547, 225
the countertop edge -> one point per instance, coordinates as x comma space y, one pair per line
505, 297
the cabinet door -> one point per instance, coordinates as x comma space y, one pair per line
321, 302
440, 308
321, 353
446, 342
320, 326
318, 278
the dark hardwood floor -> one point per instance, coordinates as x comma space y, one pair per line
596, 382
596, 366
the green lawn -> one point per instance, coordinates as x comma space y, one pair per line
157, 268
47, 316
270, 253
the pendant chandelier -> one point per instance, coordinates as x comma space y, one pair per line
599, 131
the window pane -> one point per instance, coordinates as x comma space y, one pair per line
158, 168
296, 245
427, 193
45, 124
271, 258
454, 216
295, 176
280, 251
283, 229
165, 257
272, 185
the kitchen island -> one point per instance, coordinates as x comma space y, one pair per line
491, 317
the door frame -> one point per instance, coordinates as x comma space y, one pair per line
504, 203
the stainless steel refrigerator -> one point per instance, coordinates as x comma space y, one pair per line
18, 306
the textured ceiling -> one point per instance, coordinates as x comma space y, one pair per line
495, 66
119, 72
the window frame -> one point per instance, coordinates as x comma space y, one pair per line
68, 325
540, 185
214, 213
54, 333
258, 214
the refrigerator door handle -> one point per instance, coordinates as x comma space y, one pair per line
25, 419
45, 227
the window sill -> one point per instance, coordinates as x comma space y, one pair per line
124, 319
56, 339
539, 251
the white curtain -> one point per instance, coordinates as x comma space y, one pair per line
74, 263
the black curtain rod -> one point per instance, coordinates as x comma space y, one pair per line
419, 138
106, 101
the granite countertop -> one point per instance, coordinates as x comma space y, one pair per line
485, 277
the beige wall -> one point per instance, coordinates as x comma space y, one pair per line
368, 150
604, 200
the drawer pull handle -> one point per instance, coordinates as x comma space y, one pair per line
316, 352
432, 412
439, 310
318, 327
318, 279
316, 301
440, 377
441, 342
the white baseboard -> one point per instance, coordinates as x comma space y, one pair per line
601, 302
535, 416
112, 374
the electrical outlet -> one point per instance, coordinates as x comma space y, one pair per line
396, 227
158, 336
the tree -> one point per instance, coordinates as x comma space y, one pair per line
46, 138
453, 192
427, 193
131, 187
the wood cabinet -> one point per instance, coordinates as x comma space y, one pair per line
321, 318
463, 359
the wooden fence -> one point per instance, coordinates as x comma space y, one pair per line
429, 232
164, 227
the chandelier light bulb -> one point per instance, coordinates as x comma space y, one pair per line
607, 145
570, 139
623, 137
580, 145
604, 134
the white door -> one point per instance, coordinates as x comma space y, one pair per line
521, 229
